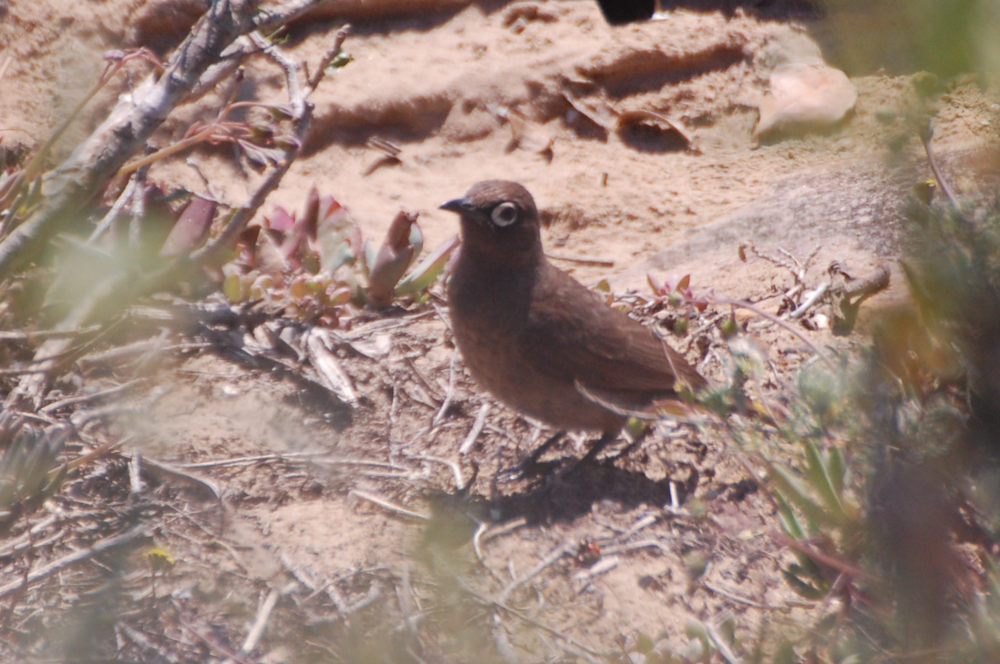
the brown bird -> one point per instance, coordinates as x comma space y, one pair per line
538, 339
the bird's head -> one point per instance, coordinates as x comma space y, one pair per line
499, 219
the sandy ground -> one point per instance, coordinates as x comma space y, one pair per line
443, 86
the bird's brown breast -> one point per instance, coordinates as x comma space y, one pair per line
547, 346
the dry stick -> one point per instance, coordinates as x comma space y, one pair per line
477, 428
926, 134
6, 65
124, 287
774, 319
528, 619
174, 471
263, 616
456, 471
787, 605
72, 559
811, 299
48, 356
546, 562
392, 507
124, 132
25, 540
116, 209
301, 114
720, 645
30, 335
289, 456
145, 643
95, 396
450, 394
582, 260
209, 639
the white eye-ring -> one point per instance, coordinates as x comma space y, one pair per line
504, 214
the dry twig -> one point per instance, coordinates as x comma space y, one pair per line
72, 559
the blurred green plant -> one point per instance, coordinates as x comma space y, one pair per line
885, 476
707, 642
30, 471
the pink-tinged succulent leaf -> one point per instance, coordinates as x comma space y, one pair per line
246, 242
368, 255
428, 270
341, 254
416, 239
655, 284
280, 220
338, 296
392, 260
289, 250
191, 228
310, 218
683, 284
328, 207
260, 157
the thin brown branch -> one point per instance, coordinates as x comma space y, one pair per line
542, 565
132, 122
72, 559
392, 507
926, 134
774, 319
122, 289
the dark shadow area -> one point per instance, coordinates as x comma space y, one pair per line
652, 137
387, 17
559, 492
403, 120
767, 9
649, 70
312, 396
566, 497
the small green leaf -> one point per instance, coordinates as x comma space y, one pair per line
801, 587
819, 476
342, 59
232, 288
836, 469
427, 270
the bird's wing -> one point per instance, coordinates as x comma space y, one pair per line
572, 335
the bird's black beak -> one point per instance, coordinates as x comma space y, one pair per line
458, 205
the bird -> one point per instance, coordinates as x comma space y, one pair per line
539, 340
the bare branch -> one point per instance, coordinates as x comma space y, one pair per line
132, 122
72, 559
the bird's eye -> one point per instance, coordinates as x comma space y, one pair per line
504, 214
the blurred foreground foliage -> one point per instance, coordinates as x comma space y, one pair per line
892, 507
890, 502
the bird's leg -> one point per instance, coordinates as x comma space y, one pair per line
632, 445
596, 448
591, 454
529, 466
537, 453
